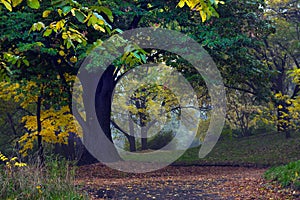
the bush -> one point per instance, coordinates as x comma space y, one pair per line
286, 175
54, 181
160, 140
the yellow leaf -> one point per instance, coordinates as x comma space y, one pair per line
73, 59
181, 3
7, 4
203, 15
98, 28
46, 13
16, 2
64, 35
61, 53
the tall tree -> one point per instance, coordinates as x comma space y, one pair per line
281, 54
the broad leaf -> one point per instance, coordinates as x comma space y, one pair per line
34, 4
79, 16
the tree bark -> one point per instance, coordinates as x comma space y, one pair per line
41, 159
131, 138
103, 103
103, 100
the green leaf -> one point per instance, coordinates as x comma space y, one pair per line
66, 9
59, 3
40, 26
26, 62
136, 55
143, 57
93, 20
117, 30
70, 44
47, 32
79, 16
107, 12
34, 4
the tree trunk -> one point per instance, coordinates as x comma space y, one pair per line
131, 138
41, 159
144, 138
103, 103
103, 100
98, 112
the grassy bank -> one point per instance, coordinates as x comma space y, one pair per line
258, 150
54, 181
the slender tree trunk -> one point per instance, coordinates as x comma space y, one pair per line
283, 119
132, 146
41, 159
144, 140
131, 138
143, 121
11, 122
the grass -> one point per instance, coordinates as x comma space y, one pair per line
262, 150
161, 156
54, 181
286, 175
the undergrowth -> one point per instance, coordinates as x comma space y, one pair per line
55, 180
286, 175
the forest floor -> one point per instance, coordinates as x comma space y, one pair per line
180, 183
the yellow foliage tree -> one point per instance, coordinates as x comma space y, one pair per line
285, 106
44, 123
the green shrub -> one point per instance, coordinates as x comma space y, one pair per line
160, 140
286, 175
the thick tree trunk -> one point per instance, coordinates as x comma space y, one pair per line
103, 100
103, 103
97, 145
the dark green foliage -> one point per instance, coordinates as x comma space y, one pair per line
160, 140
286, 175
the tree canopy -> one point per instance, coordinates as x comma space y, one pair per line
255, 45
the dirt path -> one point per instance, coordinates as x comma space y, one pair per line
180, 183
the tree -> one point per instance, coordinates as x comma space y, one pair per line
281, 54
29, 56
241, 112
64, 32
114, 72
150, 106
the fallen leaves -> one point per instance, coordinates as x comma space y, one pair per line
190, 182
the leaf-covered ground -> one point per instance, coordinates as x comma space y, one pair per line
180, 182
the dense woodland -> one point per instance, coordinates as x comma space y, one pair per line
253, 43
